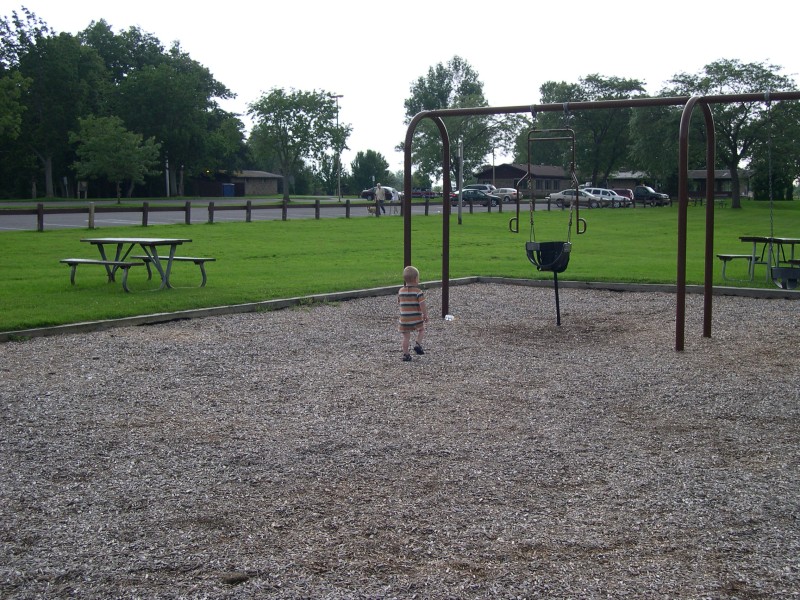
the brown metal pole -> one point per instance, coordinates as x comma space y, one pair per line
683, 204
708, 286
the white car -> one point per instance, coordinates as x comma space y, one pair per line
390, 194
566, 198
609, 197
506, 194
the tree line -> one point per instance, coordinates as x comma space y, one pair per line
133, 117
765, 137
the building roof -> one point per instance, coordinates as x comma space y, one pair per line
248, 174
718, 173
538, 170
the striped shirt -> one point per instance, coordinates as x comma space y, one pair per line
410, 298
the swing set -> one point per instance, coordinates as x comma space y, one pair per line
550, 256
553, 256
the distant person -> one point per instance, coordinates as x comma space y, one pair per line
413, 311
380, 198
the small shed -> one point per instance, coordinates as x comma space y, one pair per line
257, 183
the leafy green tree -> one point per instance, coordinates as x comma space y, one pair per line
739, 126
454, 85
367, 169
67, 82
175, 102
18, 35
776, 160
12, 88
125, 52
602, 136
327, 174
106, 149
296, 125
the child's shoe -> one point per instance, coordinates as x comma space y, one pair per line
406, 357
418, 349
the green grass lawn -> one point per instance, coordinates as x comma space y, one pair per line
273, 259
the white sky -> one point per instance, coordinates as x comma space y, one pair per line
371, 52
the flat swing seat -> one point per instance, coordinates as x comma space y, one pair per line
553, 257
785, 277
549, 256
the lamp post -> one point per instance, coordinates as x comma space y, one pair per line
493, 182
338, 156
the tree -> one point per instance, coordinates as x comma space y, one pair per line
739, 126
367, 169
296, 125
454, 85
18, 36
12, 88
175, 102
125, 52
776, 160
602, 136
67, 82
106, 149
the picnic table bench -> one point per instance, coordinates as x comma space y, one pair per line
726, 258
200, 261
110, 266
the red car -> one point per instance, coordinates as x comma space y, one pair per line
625, 192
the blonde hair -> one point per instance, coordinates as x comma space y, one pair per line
410, 274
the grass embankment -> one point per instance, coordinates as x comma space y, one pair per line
272, 259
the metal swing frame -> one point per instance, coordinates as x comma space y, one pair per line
689, 104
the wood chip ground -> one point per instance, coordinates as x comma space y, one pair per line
292, 454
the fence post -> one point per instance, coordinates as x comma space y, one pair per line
91, 215
249, 212
347, 208
188, 208
427, 205
285, 210
211, 212
316, 209
145, 211
40, 216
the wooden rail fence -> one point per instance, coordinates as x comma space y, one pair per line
146, 209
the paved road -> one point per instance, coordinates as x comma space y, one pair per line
199, 214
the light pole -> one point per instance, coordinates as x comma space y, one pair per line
338, 156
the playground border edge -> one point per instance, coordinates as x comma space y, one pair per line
270, 305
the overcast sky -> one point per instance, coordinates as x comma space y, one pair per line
371, 52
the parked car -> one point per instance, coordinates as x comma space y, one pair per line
389, 193
506, 194
476, 197
423, 193
487, 188
647, 195
628, 193
609, 197
565, 198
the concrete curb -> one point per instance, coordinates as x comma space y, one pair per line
269, 305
